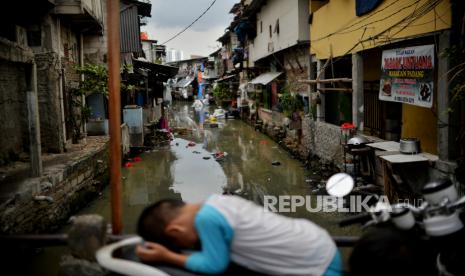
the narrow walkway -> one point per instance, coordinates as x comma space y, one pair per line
14, 178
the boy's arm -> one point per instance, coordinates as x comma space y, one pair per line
154, 252
215, 236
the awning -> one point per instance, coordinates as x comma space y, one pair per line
184, 82
265, 78
209, 77
157, 71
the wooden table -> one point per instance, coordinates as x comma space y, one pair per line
390, 156
386, 146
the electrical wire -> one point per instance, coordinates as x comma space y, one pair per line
382, 19
408, 20
190, 25
341, 30
348, 29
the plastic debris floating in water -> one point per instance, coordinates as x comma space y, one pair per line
191, 144
127, 164
220, 155
219, 113
264, 142
137, 159
275, 163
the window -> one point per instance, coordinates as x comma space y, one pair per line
34, 36
261, 26
276, 26
271, 32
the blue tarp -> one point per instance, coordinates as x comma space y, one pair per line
201, 88
365, 6
140, 100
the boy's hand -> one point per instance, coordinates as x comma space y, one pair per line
152, 252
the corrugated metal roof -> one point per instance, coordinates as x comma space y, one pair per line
184, 82
130, 30
266, 78
161, 72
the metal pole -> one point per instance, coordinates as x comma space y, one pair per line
114, 102
62, 240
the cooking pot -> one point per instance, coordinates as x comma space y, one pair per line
409, 145
357, 142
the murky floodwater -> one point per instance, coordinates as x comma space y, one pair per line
181, 171
192, 174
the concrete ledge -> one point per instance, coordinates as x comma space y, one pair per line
69, 183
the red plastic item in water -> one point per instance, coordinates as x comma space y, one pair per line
263, 142
219, 154
191, 144
137, 159
347, 126
127, 164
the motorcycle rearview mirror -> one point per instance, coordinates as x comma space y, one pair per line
339, 185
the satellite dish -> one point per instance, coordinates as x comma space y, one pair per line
340, 184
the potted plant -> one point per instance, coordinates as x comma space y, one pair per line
290, 103
222, 94
95, 81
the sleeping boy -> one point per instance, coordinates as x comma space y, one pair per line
230, 228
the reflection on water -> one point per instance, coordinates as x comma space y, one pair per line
195, 178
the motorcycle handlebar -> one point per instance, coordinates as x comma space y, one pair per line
361, 218
460, 204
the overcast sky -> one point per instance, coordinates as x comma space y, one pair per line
171, 16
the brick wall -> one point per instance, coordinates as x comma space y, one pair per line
71, 185
13, 110
296, 68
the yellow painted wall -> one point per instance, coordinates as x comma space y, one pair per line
420, 122
336, 26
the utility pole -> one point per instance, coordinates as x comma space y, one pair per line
114, 102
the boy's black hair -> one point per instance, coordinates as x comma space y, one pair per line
154, 219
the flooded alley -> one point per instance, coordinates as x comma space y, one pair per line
108, 107
190, 172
